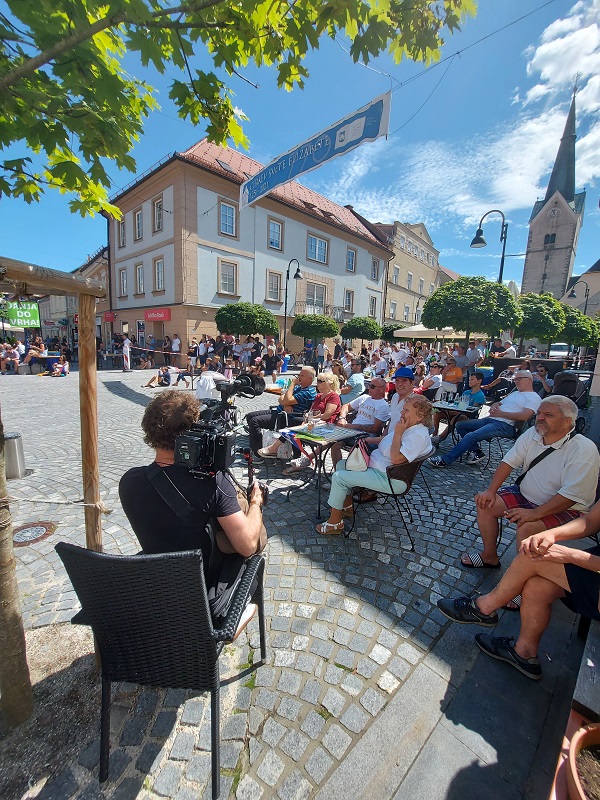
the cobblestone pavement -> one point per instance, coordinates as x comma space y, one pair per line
351, 622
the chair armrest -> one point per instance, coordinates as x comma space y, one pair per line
229, 623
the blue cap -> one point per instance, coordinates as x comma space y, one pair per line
404, 372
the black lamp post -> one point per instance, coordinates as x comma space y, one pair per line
297, 277
573, 296
479, 241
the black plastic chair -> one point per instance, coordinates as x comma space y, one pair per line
152, 624
397, 472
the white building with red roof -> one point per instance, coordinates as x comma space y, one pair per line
183, 249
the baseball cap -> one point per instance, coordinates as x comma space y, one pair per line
522, 373
404, 372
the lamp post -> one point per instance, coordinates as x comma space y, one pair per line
479, 241
297, 277
573, 296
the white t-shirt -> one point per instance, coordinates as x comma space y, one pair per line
176, 345
519, 401
571, 471
415, 443
396, 406
400, 356
510, 352
380, 367
370, 410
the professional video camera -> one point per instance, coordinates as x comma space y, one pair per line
209, 446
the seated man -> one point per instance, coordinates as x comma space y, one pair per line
475, 398
355, 385
546, 494
369, 413
157, 526
164, 377
542, 384
295, 400
519, 406
10, 355
542, 572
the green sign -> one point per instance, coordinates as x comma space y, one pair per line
23, 315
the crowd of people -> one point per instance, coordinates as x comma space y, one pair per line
52, 355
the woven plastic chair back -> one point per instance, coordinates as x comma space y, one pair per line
407, 472
149, 614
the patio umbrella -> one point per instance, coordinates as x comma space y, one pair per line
421, 332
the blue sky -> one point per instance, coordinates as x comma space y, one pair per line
477, 132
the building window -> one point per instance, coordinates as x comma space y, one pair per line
431, 288
408, 246
418, 313
317, 249
422, 255
421, 285
406, 313
227, 219
122, 283
275, 235
349, 301
139, 279
157, 214
274, 286
315, 298
138, 225
550, 238
392, 310
227, 281
372, 306
409, 278
396, 275
122, 239
375, 269
159, 274
402, 242
350, 260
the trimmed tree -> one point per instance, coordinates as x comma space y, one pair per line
361, 328
247, 319
471, 304
314, 326
579, 328
387, 333
543, 318
68, 101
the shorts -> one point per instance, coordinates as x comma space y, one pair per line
513, 498
584, 596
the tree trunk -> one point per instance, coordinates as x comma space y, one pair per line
520, 348
16, 698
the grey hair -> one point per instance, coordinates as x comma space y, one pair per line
311, 370
567, 407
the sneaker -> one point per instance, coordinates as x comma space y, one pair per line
475, 457
464, 609
296, 464
501, 648
437, 461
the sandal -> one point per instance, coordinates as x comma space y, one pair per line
477, 561
264, 453
514, 604
348, 511
330, 529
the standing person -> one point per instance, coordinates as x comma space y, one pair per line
474, 357
247, 348
337, 350
176, 349
322, 354
202, 350
308, 351
237, 353
99, 353
257, 349
126, 345
167, 351
509, 351
192, 353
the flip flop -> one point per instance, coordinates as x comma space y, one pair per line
516, 604
477, 562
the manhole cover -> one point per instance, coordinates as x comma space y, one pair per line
32, 532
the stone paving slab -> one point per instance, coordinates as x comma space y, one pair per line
360, 661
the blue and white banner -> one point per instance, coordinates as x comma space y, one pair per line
365, 125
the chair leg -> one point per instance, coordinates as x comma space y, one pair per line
260, 599
104, 730
215, 736
426, 485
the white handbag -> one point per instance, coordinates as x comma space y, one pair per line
358, 458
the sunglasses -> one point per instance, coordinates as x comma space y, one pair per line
321, 380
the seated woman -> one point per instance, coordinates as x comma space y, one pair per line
327, 404
545, 570
61, 368
452, 376
407, 442
38, 351
146, 360
432, 382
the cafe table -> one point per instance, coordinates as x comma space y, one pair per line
450, 411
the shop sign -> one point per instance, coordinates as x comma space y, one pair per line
109, 316
157, 315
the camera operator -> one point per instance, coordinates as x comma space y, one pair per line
158, 528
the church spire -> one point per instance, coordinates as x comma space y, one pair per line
563, 173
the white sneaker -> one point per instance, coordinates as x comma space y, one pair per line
300, 463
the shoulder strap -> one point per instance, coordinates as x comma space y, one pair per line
176, 501
541, 457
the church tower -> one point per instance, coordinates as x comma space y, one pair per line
555, 222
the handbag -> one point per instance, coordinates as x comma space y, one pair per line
358, 458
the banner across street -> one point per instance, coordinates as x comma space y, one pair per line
365, 125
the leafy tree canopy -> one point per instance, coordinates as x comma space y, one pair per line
579, 328
471, 304
246, 318
543, 317
66, 97
387, 333
361, 328
314, 326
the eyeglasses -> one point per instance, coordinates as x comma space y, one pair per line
376, 387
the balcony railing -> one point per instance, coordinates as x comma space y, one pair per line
337, 313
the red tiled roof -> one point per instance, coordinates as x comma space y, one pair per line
450, 273
292, 194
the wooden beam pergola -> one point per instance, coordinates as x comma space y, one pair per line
23, 279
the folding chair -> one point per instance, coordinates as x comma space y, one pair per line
152, 624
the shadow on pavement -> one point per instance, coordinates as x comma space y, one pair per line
120, 389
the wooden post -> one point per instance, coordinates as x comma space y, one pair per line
88, 409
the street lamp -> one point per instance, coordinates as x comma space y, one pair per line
479, 241
297, 277
573, 296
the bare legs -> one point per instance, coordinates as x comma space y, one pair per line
487, 520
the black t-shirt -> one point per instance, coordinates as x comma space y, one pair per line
271, 362
157, 527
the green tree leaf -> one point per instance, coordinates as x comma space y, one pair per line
246, 319
314, 326
361, 328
